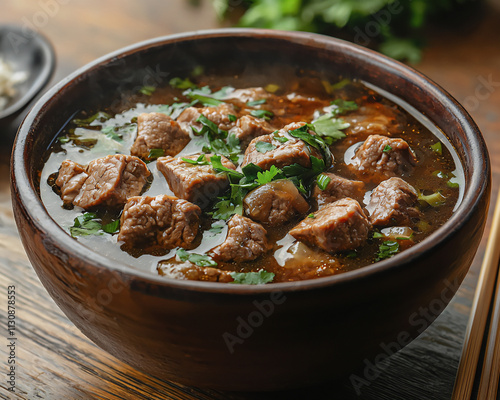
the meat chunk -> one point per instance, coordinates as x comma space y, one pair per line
158, 131
392, 203
199, 184
284, 150
337, 226
163, 220
108, 181
70, 180
275, 202
246, 95
381, 157
247, 128
219, 115
192, 272
337, 189
246, 240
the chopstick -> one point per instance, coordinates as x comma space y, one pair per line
477, 323
490, 375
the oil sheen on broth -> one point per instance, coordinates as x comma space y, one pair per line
264, 184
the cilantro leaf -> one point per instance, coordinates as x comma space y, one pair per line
387, 249
225, 209
232, 117
264, 147
315, 141
343, 106
437, 148
263, 114
269, 175
252, 278
219, 167
89, 224
329, 126
387, 149
201, 260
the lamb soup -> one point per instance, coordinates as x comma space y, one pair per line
225, 181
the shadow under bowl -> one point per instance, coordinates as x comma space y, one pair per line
237, 337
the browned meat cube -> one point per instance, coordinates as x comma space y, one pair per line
247, 128
162, 220
70, 180
281, 152
275, 202
158, 131
392, 203
337, 226
192, 272
246, 240
110, 181
381, 157
337, 189
199, 184
218, 115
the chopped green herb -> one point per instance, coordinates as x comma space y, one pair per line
219, 167
312, 216
155, 153
110, 132
329, 88
201, 260
63, 139
216, 229
387, 149
264, 147
225, 209
180, 83
279, 138
252, 278
434, 200
343, 106
201, 160
315, 141
256, 102
387, 249
331, 127
352, 254
378, 235
264, 114
112, 227
147, 90
99, 117
452, 185
322, 181
437, 148
269, 175
89, 224
232, 117
205, 100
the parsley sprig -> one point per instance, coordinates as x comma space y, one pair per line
90, 224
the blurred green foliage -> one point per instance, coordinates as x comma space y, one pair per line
394, 27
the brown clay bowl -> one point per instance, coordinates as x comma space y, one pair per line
237, 337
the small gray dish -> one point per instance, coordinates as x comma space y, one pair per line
25, 50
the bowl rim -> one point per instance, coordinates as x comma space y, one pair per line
477, 187
46, 72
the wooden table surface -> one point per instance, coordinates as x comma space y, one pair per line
55, 361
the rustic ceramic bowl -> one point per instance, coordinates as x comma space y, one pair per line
248, 337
